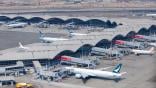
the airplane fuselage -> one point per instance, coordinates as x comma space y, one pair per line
152, 44
49, 39
142, 52
78, 34
16, 25
24, 48
95, 73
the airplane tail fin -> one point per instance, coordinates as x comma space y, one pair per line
20, 44
151, 49
117, 68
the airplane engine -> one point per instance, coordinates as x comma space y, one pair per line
78, 75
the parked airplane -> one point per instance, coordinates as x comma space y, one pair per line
128, 44
109, 53
17, 24
22, 47
85, 73
152, 44
143, 52
50, 39
73, 1
145, 38
79, 61
71, 34
151, 15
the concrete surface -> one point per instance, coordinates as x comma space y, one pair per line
140, 74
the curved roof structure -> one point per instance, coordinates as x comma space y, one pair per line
4, 18
152, 29
143, 31
104, 43
131, 33
36, 19
71, 46
77, 21
55, 21
19, 18
95, 22
64, 52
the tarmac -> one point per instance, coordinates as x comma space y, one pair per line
141, 71
10, 39
140, 74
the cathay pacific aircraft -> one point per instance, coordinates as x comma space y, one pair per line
85, 73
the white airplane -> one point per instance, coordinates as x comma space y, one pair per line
17, 25
85, 73
73, 1
71, 34
143, 52
50, 39
152, 44
151, 15
22, 47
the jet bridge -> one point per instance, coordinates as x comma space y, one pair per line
52, 75
37, 65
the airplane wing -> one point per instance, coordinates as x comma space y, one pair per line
104, 68
85, 75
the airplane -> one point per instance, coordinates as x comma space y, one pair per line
16, 24
83, 62
143, 52
22, 47
73, 1
71, 34
111, 53
145, 38
151, 15
152, 44
50, 39
128, 44
85, 73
